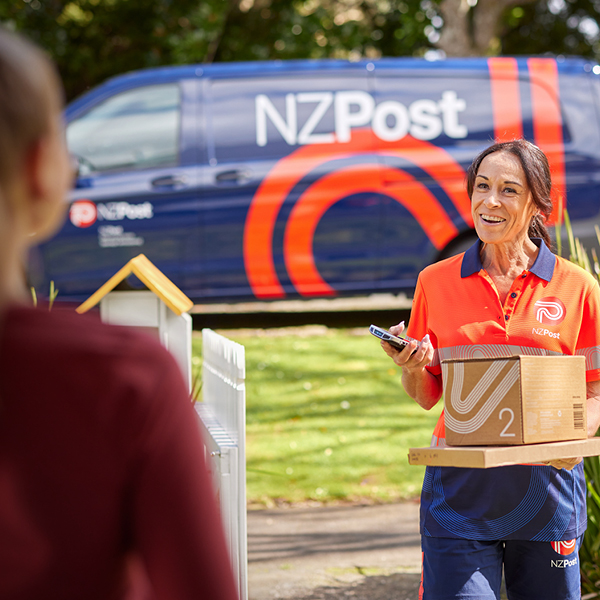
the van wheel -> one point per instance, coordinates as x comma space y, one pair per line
459, 245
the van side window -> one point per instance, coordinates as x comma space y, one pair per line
136, 129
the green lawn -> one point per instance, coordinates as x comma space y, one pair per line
327, 418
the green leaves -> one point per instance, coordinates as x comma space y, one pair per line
589, 554
568, 27
92, 40
51, 296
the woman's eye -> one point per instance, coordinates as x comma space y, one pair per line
482, 186
509, 190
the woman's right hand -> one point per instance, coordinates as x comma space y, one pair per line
415, 356
421, 385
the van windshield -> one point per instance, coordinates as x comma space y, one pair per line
136, 129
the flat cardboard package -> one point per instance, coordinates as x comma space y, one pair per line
485, 457
514, 400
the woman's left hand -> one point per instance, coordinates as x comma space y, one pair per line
565, 463
593, 421
593, 407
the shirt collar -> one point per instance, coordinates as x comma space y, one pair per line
543, 266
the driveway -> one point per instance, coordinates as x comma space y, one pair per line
314, 553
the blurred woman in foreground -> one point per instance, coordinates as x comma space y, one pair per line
527, 520
100, 454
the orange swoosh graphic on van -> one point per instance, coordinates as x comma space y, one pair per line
506, 99
547, 117
547, 126
275, 188
314, 203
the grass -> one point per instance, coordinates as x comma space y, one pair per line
327, 419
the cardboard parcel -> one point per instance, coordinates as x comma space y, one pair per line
514, 400
485, 457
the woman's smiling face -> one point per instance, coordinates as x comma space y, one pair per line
502, 205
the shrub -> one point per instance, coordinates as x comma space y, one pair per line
589, 554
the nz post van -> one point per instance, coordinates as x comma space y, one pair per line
307, 179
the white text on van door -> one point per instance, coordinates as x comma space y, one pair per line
390, 120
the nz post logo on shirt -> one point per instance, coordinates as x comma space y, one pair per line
549, 311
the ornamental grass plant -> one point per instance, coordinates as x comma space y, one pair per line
589, 554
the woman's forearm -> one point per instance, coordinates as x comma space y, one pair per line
422, 386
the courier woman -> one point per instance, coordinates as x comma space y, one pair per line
527, 519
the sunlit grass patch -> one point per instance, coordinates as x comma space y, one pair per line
327, 419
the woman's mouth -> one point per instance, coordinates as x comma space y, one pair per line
491, 219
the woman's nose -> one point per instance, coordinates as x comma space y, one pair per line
491, 199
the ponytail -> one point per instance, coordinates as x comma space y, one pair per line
538, 229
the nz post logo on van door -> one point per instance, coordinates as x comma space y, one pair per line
84, 213
343, 162
335, 164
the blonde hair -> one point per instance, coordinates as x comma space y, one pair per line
29, 91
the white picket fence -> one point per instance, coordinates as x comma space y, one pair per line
223, 422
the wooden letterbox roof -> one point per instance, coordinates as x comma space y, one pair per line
152, 277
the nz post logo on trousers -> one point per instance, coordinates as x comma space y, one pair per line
549, 311
84, 213
326, 167
564, 548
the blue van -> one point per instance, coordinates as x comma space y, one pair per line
307, 179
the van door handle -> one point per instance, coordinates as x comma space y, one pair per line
169, 181
233, 176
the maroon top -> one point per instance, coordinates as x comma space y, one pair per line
100, 460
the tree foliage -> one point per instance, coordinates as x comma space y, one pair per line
94, 39
514, 27
325, 28
567, 27
91, 40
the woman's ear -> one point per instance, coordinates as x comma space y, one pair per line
36, 185
47, 177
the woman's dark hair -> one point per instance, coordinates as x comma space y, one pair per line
537, 172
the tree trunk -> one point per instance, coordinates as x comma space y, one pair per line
475, 33
213, 45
